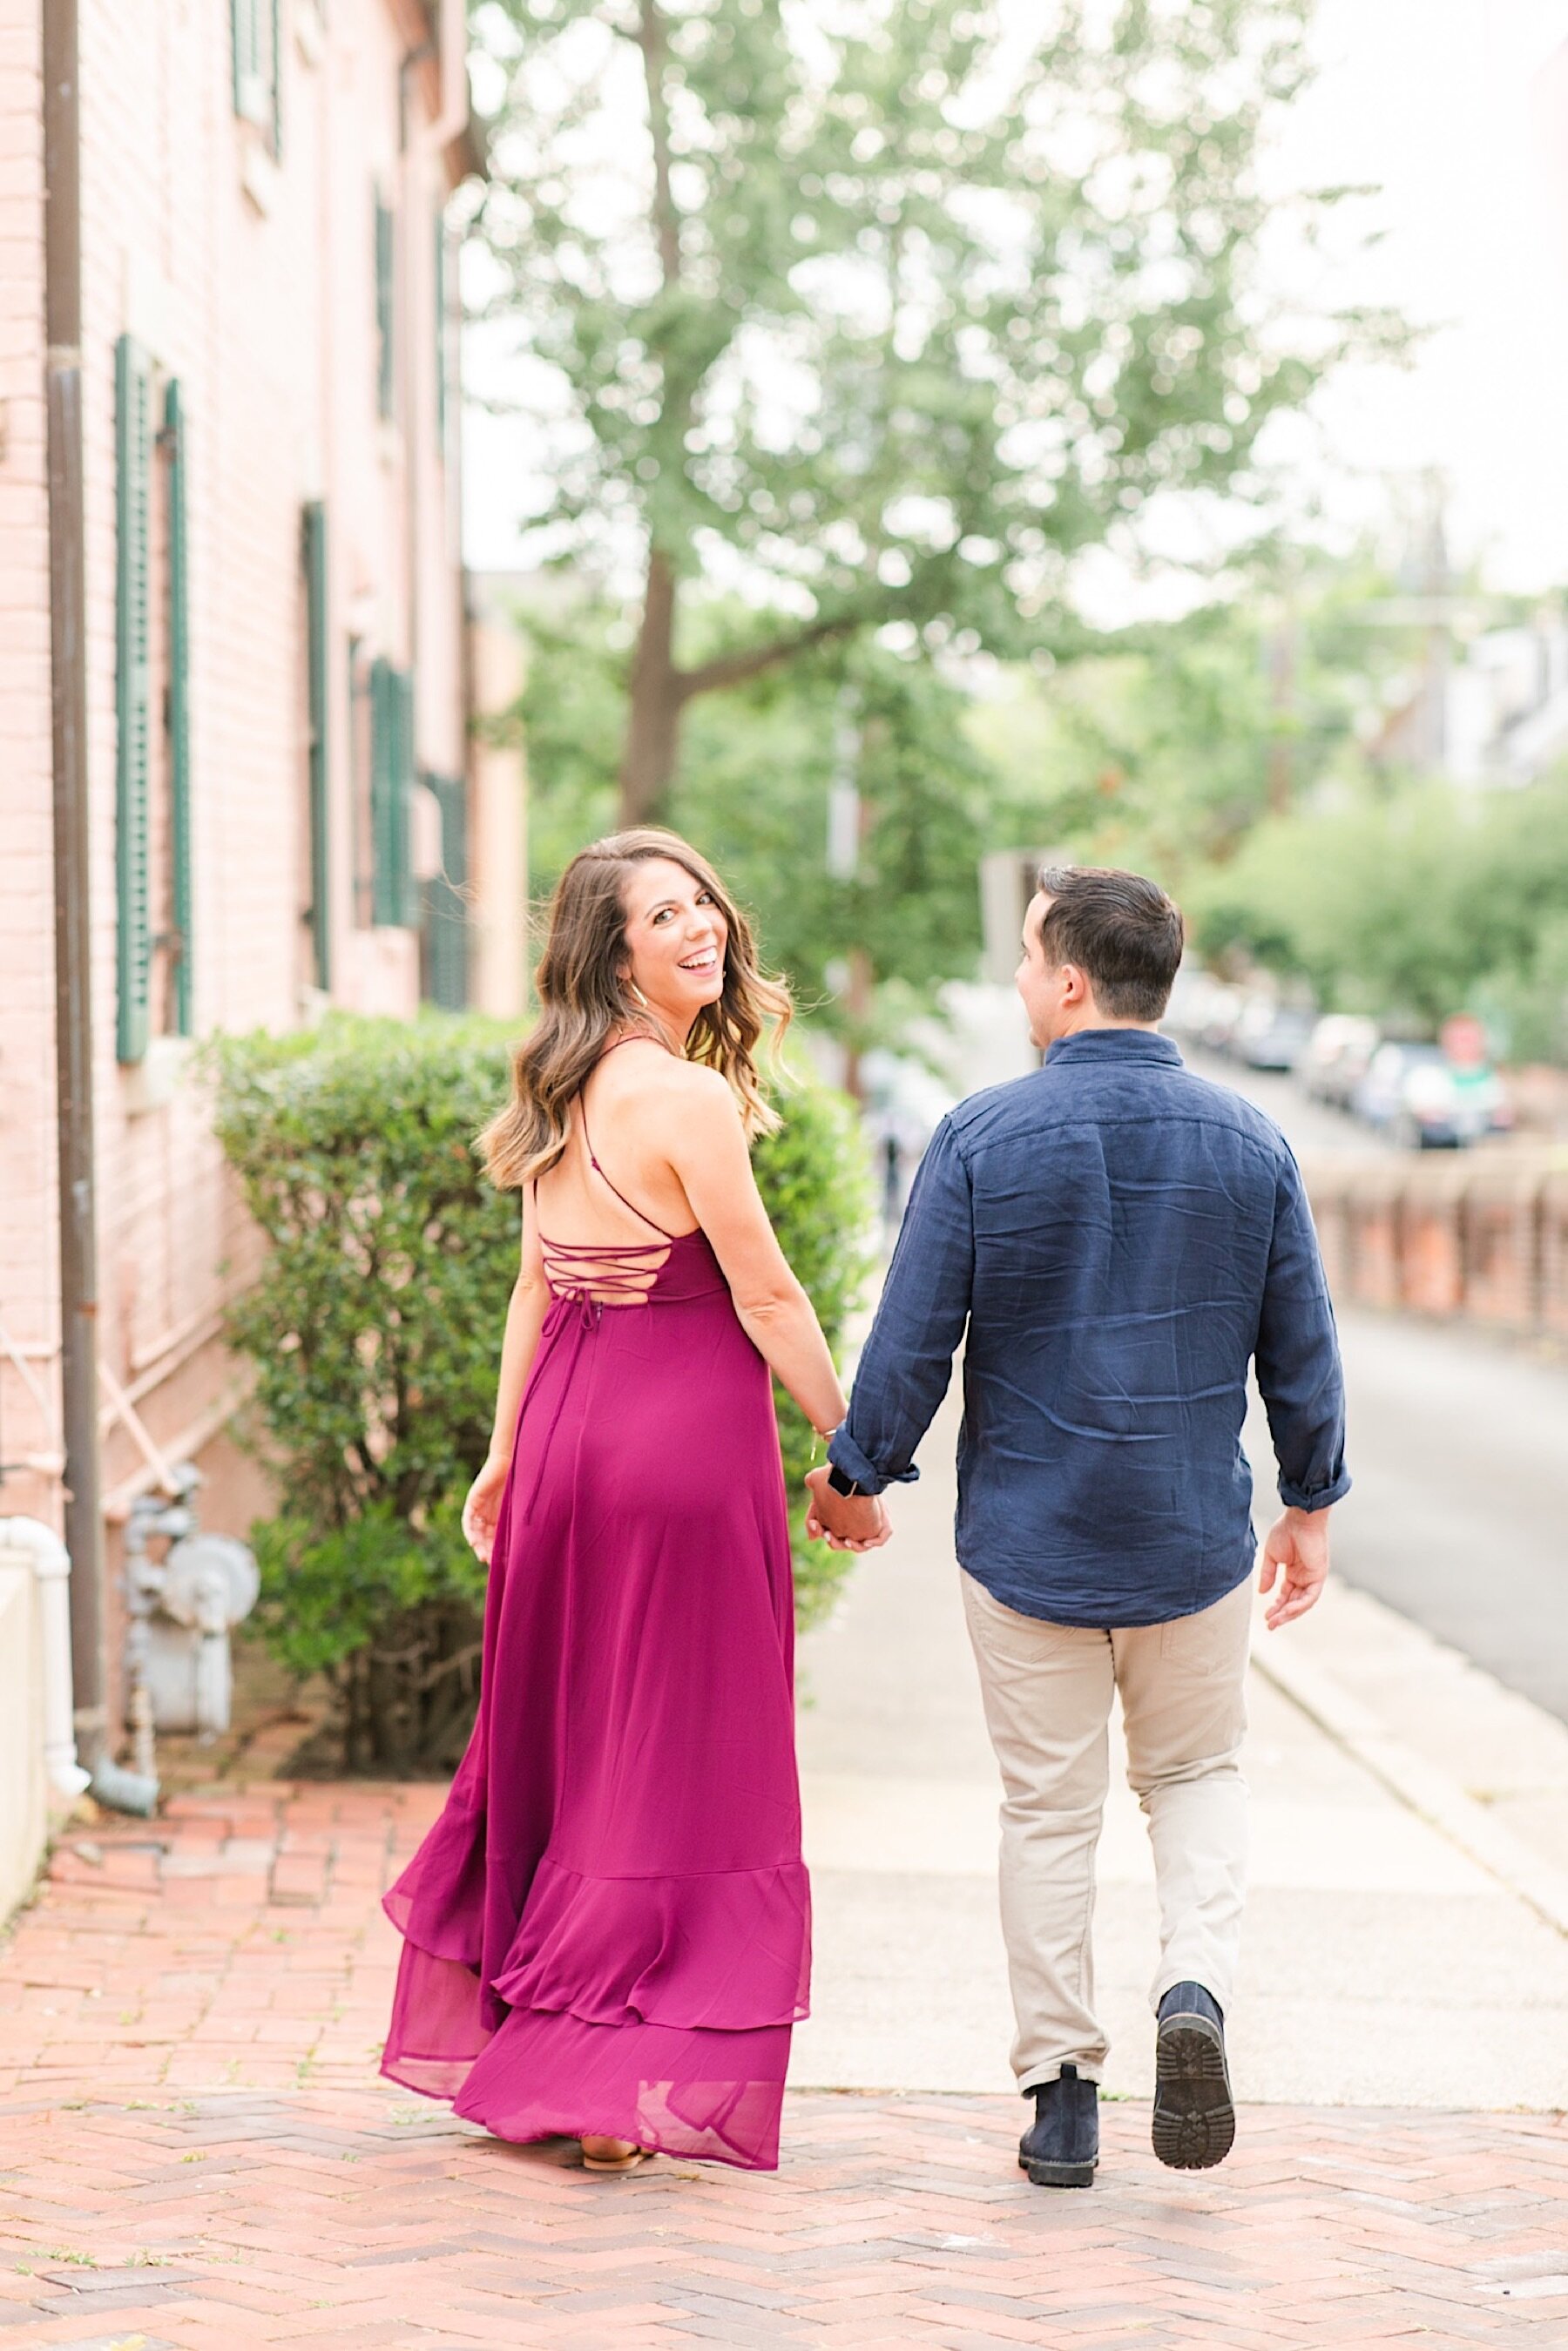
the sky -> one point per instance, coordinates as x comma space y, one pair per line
1457, 112
1458, 109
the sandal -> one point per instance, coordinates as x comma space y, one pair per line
630, 2161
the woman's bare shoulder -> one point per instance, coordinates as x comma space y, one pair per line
670, 1089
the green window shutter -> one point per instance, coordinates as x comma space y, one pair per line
240, 12
392, 776
132, 500
255, 31
381, 846
249, 82
385, 354
408, 911
316, 651
445, 900
275, 31
361, 802
179, 709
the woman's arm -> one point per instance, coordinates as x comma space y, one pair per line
705, 1144
525, 1319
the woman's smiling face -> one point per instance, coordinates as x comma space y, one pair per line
675, 941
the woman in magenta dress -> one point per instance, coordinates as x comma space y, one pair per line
607, 1931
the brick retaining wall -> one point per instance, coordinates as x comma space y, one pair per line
1481, 1235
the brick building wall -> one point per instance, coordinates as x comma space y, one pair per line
29, 1242
250, 277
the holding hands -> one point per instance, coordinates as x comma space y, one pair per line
844, 1521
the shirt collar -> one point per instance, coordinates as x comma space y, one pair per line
1114, 1045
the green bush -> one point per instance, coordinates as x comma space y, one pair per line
375, 1327
815, 1178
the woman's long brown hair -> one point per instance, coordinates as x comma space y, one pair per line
585, 1000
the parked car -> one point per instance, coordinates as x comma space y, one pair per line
1338, 1056
1418, 1097
1221, 1014
1272, 1036
1190, 998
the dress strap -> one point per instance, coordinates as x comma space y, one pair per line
588, 1139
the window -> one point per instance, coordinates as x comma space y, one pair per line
386, 354
256, 28
318, 913
152, 769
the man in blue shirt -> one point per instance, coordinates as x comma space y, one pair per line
1113, 1240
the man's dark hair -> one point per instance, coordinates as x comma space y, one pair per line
1122, 930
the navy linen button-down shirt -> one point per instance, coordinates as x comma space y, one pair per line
1113, 1240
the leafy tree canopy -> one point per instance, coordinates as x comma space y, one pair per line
1165, 750
753, 792
1169, 745
881, 310
1413, 903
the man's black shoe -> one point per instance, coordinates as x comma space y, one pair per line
1195, 2121
1061, 2145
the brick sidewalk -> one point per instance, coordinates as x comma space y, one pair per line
196, 2154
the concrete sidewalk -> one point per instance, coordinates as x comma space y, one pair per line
1388, 1961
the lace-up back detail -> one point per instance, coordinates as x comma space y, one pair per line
607, 1274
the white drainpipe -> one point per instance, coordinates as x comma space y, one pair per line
52, 1567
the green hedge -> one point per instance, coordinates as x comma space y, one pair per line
814, 1175
375, 1328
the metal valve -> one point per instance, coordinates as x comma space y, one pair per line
182, 1607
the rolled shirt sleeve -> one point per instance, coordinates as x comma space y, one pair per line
1298, 1359
907, 1360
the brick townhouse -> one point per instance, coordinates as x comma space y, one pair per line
237, 779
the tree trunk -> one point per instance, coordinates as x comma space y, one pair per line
653, 719
858, 999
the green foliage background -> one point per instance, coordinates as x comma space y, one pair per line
1161, 747
375, 1325
1386, 891
1413, 902
893, 308
752, 794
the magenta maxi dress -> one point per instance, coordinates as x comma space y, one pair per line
608, 1930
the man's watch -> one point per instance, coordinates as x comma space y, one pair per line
840, 1481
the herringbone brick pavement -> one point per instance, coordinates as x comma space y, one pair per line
364, 2217
194, 2153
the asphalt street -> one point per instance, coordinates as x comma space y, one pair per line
1458, 1447
1312, 1127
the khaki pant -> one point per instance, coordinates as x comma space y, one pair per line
1047, 1690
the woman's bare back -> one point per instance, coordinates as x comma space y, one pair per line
633, 1185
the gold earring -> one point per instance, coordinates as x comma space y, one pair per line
638, 994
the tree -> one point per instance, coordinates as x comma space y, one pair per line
1167, 745
1411, 904
883, 310
753, 792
